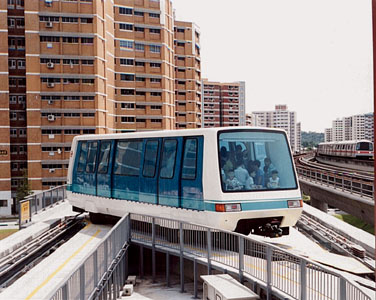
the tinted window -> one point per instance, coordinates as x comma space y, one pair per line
104, 157
150, 160
255, 160
127, 159
364, 146
189, 159
91, 157
82, 159
168, 159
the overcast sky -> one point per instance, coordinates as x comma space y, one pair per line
313, 55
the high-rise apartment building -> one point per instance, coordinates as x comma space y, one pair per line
251, 120
224, 104
187, 75
356, 127
338, 129
88, 66
282, 118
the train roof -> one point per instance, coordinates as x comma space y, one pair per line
172, 133
345, 142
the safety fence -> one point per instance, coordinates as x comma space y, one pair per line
38, 202
281, 272
339, 182
103, 272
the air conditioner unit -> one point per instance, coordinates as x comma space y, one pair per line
51, 136
51, 170
50, 84
49, 25
50, 101
48, 3
51, 118
50, 65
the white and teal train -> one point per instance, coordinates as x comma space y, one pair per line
241, 179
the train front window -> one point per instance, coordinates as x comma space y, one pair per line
364, 146
255, 160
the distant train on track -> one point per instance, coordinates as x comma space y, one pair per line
361, 149
241, 179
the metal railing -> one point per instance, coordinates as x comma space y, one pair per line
279, 270
38, 202
103, 273
342, 183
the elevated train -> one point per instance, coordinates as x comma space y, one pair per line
181, 175
358, 149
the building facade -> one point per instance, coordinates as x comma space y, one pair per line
284, 119
188, 101
224, 104
356, 127
88, 66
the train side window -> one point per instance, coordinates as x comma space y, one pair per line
82, 159
127, 158
168, 159
189, 159
150, 159
91, 157
104, 157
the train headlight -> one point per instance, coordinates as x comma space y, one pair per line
294, 203
228, 207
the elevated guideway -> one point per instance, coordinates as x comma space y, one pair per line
351, 193
94, 262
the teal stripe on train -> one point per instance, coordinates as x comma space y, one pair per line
259, 205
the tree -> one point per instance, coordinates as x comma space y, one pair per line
23, 189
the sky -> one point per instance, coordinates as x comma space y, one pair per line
313, 55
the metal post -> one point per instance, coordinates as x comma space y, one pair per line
19, 216
51, 199
153, 249
269, 272
241, 258
35, 203
342, 288
105, 254
141, 262
209, 250
168, 269
181, 237
64, 292
303, 280
82, 282
95, 267
44, 200
195, 275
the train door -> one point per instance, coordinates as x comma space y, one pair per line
105, 160
126, 170
149, 173
84, 175
169, 172
191, 174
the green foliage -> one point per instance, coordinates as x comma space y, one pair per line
311, 139
356, 222
23, 189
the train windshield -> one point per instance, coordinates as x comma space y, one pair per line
255, 160
364, 146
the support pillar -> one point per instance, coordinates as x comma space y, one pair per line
321, 205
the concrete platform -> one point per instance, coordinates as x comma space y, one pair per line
52, 272
146, 290
299, 244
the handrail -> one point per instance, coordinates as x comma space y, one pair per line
280, 271
343, 183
